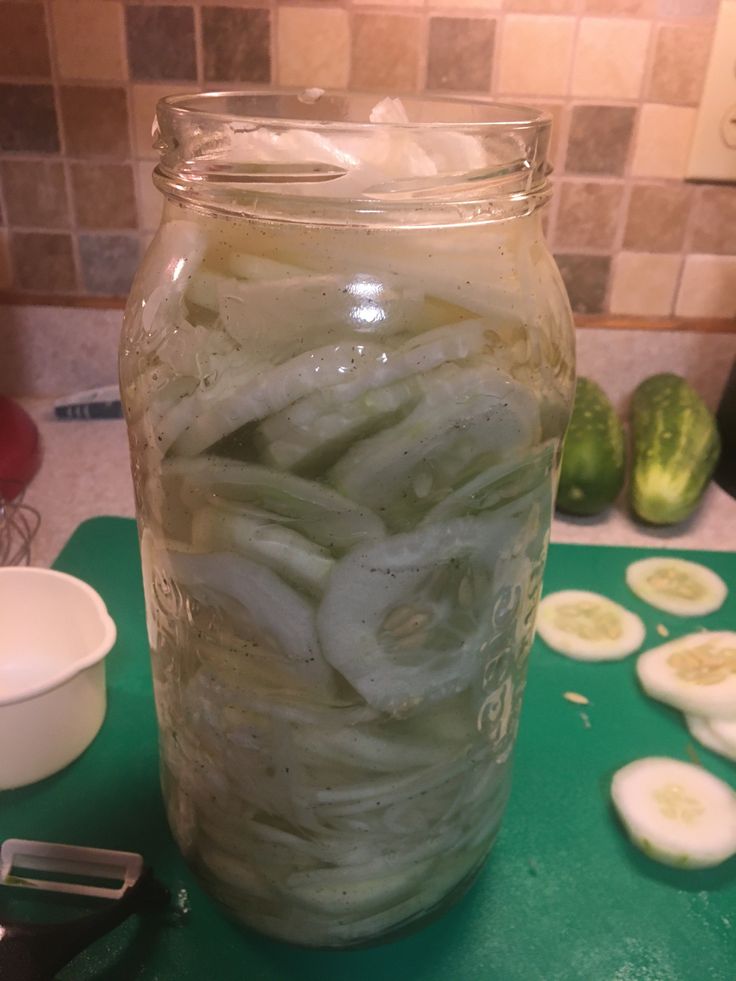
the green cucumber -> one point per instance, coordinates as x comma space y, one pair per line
675, 449
594, 458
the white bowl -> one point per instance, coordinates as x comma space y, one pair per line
54, 634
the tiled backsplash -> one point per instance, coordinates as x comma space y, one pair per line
79, 80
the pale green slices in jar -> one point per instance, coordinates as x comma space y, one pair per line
317, 512
408, 621
468, 419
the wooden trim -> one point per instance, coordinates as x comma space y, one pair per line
11, 298
703, 325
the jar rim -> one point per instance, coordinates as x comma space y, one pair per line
313, 155
501, 115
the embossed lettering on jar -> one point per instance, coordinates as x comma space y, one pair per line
347, 367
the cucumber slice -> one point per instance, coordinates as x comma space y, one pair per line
677, 813
319, 513
173, 257
468, 419
302, 303
409, 621
588, 627
288, 553
677, 586
423, 352
514, 479
244, 389
257, 600
255, 391
204, 289
258, 267
696, 674
324, 422
194, 350
716, 734
320, 426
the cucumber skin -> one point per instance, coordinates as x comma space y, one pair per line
594, 455
675, 449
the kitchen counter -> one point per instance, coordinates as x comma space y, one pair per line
85, 473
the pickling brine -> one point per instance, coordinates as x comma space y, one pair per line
347, 368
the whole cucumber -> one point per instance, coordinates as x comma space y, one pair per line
675, 449
594, 456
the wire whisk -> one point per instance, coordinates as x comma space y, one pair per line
19, 524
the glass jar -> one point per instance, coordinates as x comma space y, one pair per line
347, 368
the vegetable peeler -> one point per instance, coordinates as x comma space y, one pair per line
32, 951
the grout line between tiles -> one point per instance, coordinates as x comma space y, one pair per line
573, 59
130, 161
499, 33
274, 39
687, 239
198, 46
423, 59
65, 160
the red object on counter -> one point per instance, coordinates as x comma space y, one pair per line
20, 448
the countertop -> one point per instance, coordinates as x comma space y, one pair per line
85, 473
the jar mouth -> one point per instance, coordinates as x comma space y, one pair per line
372, 153
313, 107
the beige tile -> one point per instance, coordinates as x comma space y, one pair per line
679, 9
662, 144
150, 199
609, 58
680, 61
589, 215
143, 107
644, 284
526, 67
89, 39
385, 52
6, 273
708, 287
625, 8
313, 47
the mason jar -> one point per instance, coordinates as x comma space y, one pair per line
347, 367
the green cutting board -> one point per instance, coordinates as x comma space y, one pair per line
564, 897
